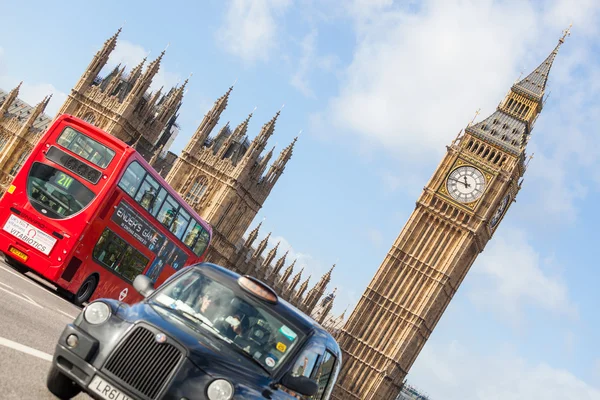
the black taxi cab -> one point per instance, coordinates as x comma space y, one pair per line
205, 333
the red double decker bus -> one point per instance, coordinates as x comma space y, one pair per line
89, 214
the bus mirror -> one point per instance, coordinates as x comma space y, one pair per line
300, 384
143, 285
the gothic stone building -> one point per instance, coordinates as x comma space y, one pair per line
20, 128
457, 214
225, 177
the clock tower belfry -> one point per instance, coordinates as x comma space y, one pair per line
454, 218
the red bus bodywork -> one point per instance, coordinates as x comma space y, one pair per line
103, 245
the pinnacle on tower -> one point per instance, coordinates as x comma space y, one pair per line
260, 141
10, 98
35, 113
288, 272
210, 120
509, 127
271, 255
98, 62
240, 131
253, 235
278, 166
280, 263
534, 84
261, 247
295, 281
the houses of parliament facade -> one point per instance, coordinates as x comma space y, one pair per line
223, 175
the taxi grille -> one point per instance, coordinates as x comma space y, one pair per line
143, 363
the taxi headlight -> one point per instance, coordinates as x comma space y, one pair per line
220, 389
96, 313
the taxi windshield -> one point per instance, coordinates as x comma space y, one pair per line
236, 318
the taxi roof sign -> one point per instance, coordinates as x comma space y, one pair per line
257, 288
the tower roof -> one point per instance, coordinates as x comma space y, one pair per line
534, 84
502, 129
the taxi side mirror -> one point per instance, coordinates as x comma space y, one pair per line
300, 384
143, 285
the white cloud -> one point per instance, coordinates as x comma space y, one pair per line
130, 55
510, 275
453, 371
417, 77
308, 62
250, 30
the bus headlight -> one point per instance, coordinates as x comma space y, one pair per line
96, 313
220, 389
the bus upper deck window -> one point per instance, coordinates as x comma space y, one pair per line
85, 147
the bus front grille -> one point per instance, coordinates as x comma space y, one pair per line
142, 363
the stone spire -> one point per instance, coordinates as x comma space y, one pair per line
260, 141
35, 113
279, 165
97, 63
301, 290
10, 98
534, 84
294, 282
279, 264
286, 275
509, 127
261, 247
142, 84
270, 256
240, 131
252, 235
208, 123
318, 290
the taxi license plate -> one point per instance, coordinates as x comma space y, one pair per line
106, 390
22, 256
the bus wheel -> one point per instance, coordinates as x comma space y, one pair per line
61, 386
85, 290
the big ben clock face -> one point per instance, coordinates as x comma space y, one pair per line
466, 184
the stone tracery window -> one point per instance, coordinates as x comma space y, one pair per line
90, 118
19, 162
3, 141
197, 190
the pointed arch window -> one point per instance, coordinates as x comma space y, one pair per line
3, 141
19, 162
90, 118
197, 190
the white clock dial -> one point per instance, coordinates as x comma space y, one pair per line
465, 184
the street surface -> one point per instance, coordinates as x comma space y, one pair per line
32, 316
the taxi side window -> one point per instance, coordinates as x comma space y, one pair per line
305, 363
323, 376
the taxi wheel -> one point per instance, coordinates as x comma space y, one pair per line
61, 386
85, 290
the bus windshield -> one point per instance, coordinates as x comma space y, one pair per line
54, 193
85, 147
236, 318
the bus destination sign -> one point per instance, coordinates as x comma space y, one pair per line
133, 223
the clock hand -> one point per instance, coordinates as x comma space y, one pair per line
464, 183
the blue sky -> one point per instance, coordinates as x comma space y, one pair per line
379, 89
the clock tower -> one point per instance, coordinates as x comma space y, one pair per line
455, 217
